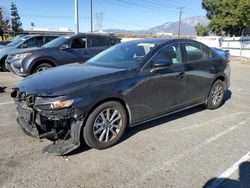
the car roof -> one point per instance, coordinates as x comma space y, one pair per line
161, 41
92, 34
149, 40
37, 35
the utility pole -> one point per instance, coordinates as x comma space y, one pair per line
179, 26
91, 16
76, 17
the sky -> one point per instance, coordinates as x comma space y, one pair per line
117, 14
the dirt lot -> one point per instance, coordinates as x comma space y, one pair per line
183, 150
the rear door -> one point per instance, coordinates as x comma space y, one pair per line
75, 52
201, 69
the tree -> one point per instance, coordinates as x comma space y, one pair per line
201, 30
227, 16
32, 25
4, 22
16, 23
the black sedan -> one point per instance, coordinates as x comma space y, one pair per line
123, 86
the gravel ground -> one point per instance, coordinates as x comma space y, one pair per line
186, 150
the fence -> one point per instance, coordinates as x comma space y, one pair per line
238, 46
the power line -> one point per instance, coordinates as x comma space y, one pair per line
140, 5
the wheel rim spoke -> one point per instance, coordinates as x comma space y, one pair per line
113, 115
113, 133
102, 135
107, 135
217, 94
116, 119
107, 125
99, 130
103, 117
116, 126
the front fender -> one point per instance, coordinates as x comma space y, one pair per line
31, 63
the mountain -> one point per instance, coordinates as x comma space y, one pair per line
187, 27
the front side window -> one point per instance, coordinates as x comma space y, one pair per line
195, 53
169, 54
78, 43
57, 42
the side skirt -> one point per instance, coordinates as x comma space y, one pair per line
167, 114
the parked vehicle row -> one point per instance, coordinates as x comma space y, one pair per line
123, 86
23, 42
3, 43
61, 51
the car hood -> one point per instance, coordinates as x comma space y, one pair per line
64, 80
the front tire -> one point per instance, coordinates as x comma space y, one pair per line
105, 125
42, 67
216, 95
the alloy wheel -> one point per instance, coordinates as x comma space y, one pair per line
107, 125
40, 69
217, 94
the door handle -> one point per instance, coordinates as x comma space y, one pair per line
181, 75
85, 53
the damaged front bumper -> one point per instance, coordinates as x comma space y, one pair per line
62, 126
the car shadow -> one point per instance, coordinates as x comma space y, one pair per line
134, 130
144, 126
243, 181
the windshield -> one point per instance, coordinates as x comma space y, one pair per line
56, 42
123, 56
18, 40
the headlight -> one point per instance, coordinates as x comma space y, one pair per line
54, 103
20, 56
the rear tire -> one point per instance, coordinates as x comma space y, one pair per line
42, 67
105, 125
216, 95
3, 64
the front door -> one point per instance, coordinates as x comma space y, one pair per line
164, 89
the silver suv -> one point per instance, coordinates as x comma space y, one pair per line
27, 41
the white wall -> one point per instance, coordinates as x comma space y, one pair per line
238, 46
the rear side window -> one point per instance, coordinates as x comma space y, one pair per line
50, 38
114, 41
97, 41
34, 42
195, 53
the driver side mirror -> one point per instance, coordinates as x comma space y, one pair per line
64, 47
160, 64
